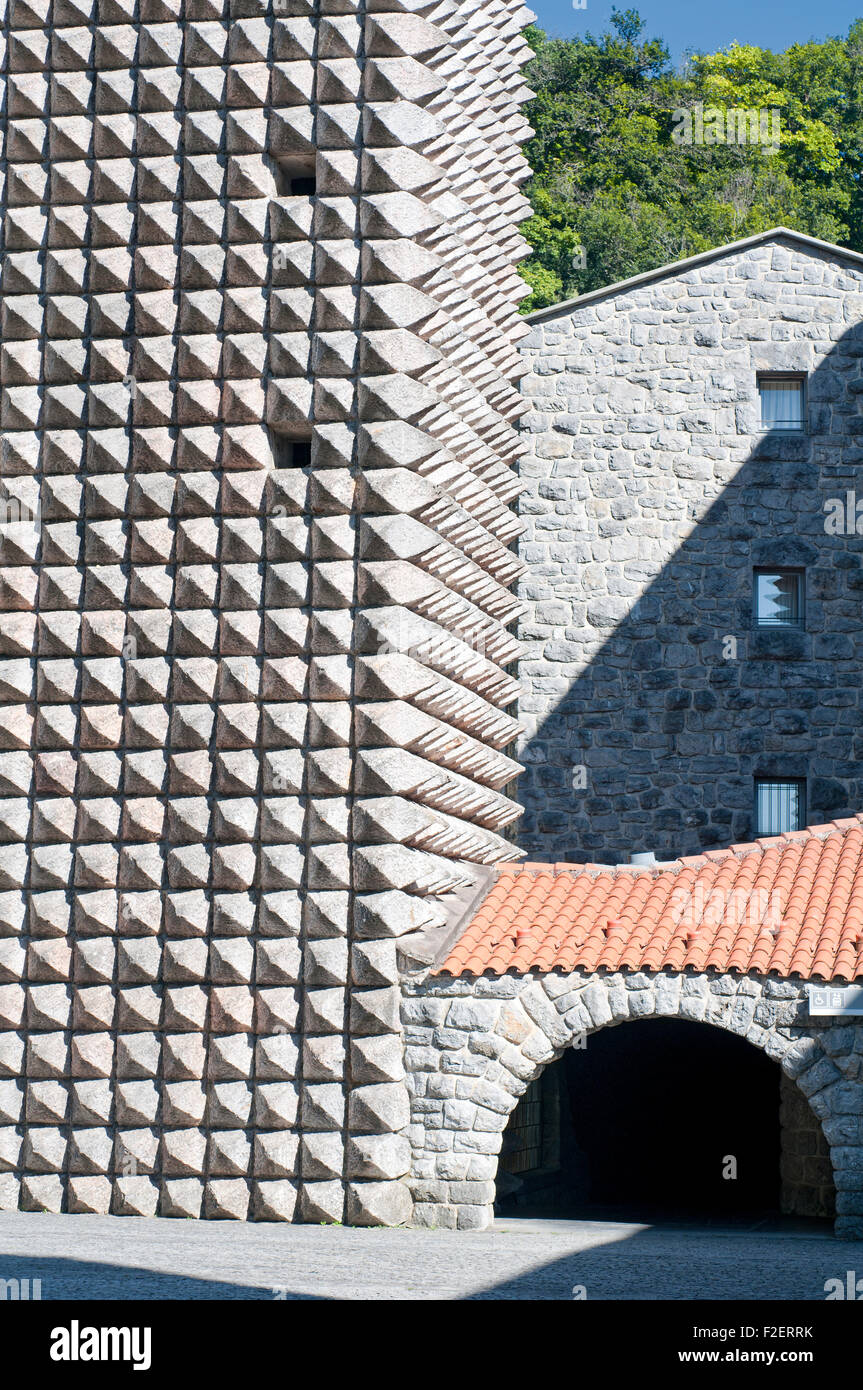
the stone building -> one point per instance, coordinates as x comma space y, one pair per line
258, 398
673, 1037
261, 953
690, 696
664, 501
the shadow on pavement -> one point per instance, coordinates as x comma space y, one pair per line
69, 1279
668, 1263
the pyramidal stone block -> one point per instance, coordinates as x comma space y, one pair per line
258, 412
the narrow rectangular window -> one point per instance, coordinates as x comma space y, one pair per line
301, 453
289, 452
783, 405
779, 598
302, 186
295, 178
780, 806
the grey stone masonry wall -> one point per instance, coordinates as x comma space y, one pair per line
805, 1168
650, 703
473, 1046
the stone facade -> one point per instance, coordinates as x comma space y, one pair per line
258, 408
257, 427
805, 1168
650, 703
473, 1046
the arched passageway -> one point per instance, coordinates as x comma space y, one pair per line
665, 1119
476, 1048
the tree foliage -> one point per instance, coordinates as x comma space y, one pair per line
609, 178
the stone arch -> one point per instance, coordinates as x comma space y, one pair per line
538, 1124
473, 1047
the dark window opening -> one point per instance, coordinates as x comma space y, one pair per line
779, 598
291, 453
300, 453
295, 180
780, 806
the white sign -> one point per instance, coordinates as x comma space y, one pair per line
846, 1000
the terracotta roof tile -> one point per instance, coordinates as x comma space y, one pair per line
788, 905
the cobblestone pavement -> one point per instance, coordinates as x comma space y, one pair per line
95, 1257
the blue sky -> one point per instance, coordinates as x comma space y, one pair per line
706, 27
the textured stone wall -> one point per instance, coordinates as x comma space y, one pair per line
651, 495
805, 1168
254, 625
472, 1047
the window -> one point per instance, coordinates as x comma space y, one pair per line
779, 598
782, 403
301, 453
295, 179
779, 806
291, 453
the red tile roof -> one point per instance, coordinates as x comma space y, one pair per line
789, 906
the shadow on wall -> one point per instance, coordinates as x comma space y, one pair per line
657, 744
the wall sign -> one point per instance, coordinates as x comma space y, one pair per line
843, 1000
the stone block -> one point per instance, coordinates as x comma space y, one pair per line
274, 1201
378, 1109
227, 1199
378, 1204
275, 1154
89, 1194
134, 1196
41, 1192
378, 1156
181, 1197
322, 1203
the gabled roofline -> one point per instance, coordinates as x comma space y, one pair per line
702, 258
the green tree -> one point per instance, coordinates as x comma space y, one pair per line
614, 194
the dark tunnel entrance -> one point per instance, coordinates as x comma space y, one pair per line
664, 1119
